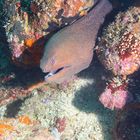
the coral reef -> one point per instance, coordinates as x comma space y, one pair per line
118, 50
28, 23
74, 112
119, 46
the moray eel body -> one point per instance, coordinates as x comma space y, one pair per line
70, 50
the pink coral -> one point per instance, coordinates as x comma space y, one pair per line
114, 96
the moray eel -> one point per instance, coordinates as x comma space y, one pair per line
70, 50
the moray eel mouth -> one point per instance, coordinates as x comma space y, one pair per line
54, 72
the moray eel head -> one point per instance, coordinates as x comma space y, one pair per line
56, 67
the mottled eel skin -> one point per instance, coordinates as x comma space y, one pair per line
70, 50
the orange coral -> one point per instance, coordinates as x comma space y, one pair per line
29, 42
32, 54
25, 120
4, 128
10, 128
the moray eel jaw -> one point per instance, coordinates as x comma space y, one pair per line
51, 75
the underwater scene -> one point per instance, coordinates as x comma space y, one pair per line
69, 69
